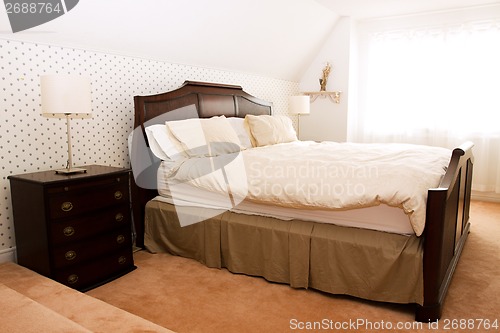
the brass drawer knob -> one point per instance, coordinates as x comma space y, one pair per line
120, 239
119, 217
66, 206
69, 231
118, 195
72, 279
70, 255
122, 260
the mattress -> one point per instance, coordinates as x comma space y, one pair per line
185, 196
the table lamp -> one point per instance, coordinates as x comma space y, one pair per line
66, 96
299, 105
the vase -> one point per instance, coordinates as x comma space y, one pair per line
322, 85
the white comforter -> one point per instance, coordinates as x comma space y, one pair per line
322, 175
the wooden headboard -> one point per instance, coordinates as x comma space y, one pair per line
191, 100
210, 99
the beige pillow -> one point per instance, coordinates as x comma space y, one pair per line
205, 136
241, 130
269, 130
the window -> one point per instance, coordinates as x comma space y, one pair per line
434, 79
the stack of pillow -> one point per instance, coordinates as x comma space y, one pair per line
204, 137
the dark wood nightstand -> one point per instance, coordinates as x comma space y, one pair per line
75, 229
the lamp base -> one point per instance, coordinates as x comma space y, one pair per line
69, 171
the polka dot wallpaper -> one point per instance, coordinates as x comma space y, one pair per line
30, 142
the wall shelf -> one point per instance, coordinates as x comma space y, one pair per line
333, 95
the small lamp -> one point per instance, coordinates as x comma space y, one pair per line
66, 96
299, 105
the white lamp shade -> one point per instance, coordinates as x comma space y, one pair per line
300, 104
66, 94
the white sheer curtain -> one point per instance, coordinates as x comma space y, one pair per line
433, 80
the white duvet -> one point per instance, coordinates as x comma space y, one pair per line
325, 175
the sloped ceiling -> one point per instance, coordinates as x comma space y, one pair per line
382, 8
272, 38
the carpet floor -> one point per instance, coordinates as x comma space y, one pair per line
186, 296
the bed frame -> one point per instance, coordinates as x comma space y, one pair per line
447, 217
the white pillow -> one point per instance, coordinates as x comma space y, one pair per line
238, 124
205, 136
162, 143
269, 130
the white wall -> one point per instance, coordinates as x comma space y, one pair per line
327, 120
30, 142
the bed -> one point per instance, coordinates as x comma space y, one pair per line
304, 250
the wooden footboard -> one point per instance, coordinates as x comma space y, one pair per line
446, 230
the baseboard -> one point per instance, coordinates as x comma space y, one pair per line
485, 196
8, 255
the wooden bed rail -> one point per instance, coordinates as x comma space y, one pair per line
446, 230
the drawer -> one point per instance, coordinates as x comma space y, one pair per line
74, 229
77, 202
86, 276
88, 184
91, 248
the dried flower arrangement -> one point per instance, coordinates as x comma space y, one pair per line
326, 72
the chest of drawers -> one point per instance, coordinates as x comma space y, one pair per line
75, 229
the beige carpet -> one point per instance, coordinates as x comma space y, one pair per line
32, 303
185, 296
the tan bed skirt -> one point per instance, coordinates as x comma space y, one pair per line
368, 264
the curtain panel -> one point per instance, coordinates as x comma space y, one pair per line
433, 79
